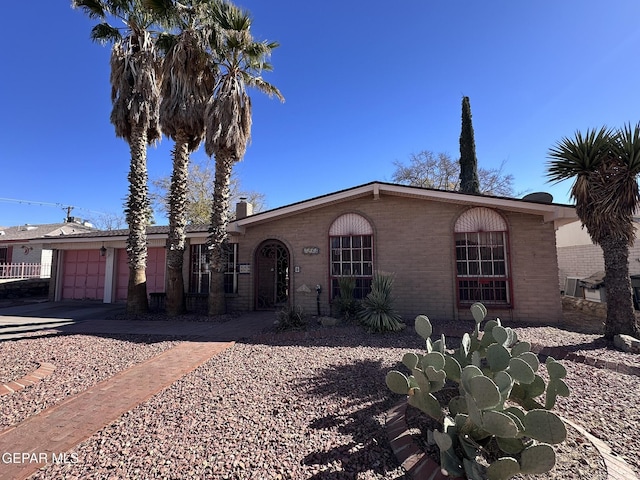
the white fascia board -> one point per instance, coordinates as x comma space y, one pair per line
238, 226
549, 212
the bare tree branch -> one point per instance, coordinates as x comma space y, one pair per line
441, 172
200, 191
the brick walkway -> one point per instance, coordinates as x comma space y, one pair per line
58, 429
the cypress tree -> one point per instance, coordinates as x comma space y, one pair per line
469, 182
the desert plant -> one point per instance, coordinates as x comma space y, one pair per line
376, 309
345, 304
495, 427
290, 318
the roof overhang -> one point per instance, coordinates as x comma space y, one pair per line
558, 214
549, 212
112, 237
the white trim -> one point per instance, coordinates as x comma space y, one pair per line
109, 276
350, 224
557, 213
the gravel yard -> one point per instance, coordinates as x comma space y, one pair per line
279, 407
81, 361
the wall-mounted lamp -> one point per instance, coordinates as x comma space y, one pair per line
103, 251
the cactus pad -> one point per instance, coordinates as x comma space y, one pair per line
493, 370
397, 382
479, 311
423, 326
503, 469
498, 357
537, 459
544, 426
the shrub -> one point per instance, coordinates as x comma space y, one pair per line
290, 318
495, 427
376, 309
346, 306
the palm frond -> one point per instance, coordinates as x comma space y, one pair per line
579, 155
104, 33
187, 84
265, 87
164, 9
628, 144
94, 9
605, 164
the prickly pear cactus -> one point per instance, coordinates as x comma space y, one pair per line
502, 410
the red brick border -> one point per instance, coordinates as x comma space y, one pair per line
419, 465
44, 370
563, 353
408, 452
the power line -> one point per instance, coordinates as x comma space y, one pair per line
68, 208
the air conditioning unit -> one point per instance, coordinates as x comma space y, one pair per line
572, 288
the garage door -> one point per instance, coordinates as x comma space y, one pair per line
83, 275
156, 261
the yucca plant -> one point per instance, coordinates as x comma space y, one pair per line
345, 304
291, 318
376, 309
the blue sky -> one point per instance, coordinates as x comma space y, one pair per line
366, 84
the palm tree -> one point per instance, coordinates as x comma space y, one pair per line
135, 93
605, 164
188, 79
241, 60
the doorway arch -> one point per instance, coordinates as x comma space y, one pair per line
272, 262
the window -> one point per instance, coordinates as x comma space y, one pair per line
231, 269
201, 274
351, 246
481, 258
199, 269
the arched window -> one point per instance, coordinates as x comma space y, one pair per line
482, 266
351, 246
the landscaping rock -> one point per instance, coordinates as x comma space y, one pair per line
329, 321
627, 343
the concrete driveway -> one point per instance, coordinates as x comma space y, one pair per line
16, 320
87, 317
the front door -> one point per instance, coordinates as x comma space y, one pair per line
272, 275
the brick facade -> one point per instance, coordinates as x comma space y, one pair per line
413, 239
412, 231
585, 260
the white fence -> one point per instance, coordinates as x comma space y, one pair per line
17, 271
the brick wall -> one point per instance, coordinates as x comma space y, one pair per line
584, 260
534, 270
579, 261
413, 239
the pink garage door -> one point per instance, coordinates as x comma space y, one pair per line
155, 272
83, 275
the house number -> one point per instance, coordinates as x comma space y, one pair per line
311, 250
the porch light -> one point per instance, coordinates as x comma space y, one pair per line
103, 251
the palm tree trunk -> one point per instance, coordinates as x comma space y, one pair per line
137, 217
218, 233
175, 303
620, 314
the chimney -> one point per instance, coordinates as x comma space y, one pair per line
243, 208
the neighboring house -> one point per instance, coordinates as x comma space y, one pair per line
445, 249
579, 258
21, 259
